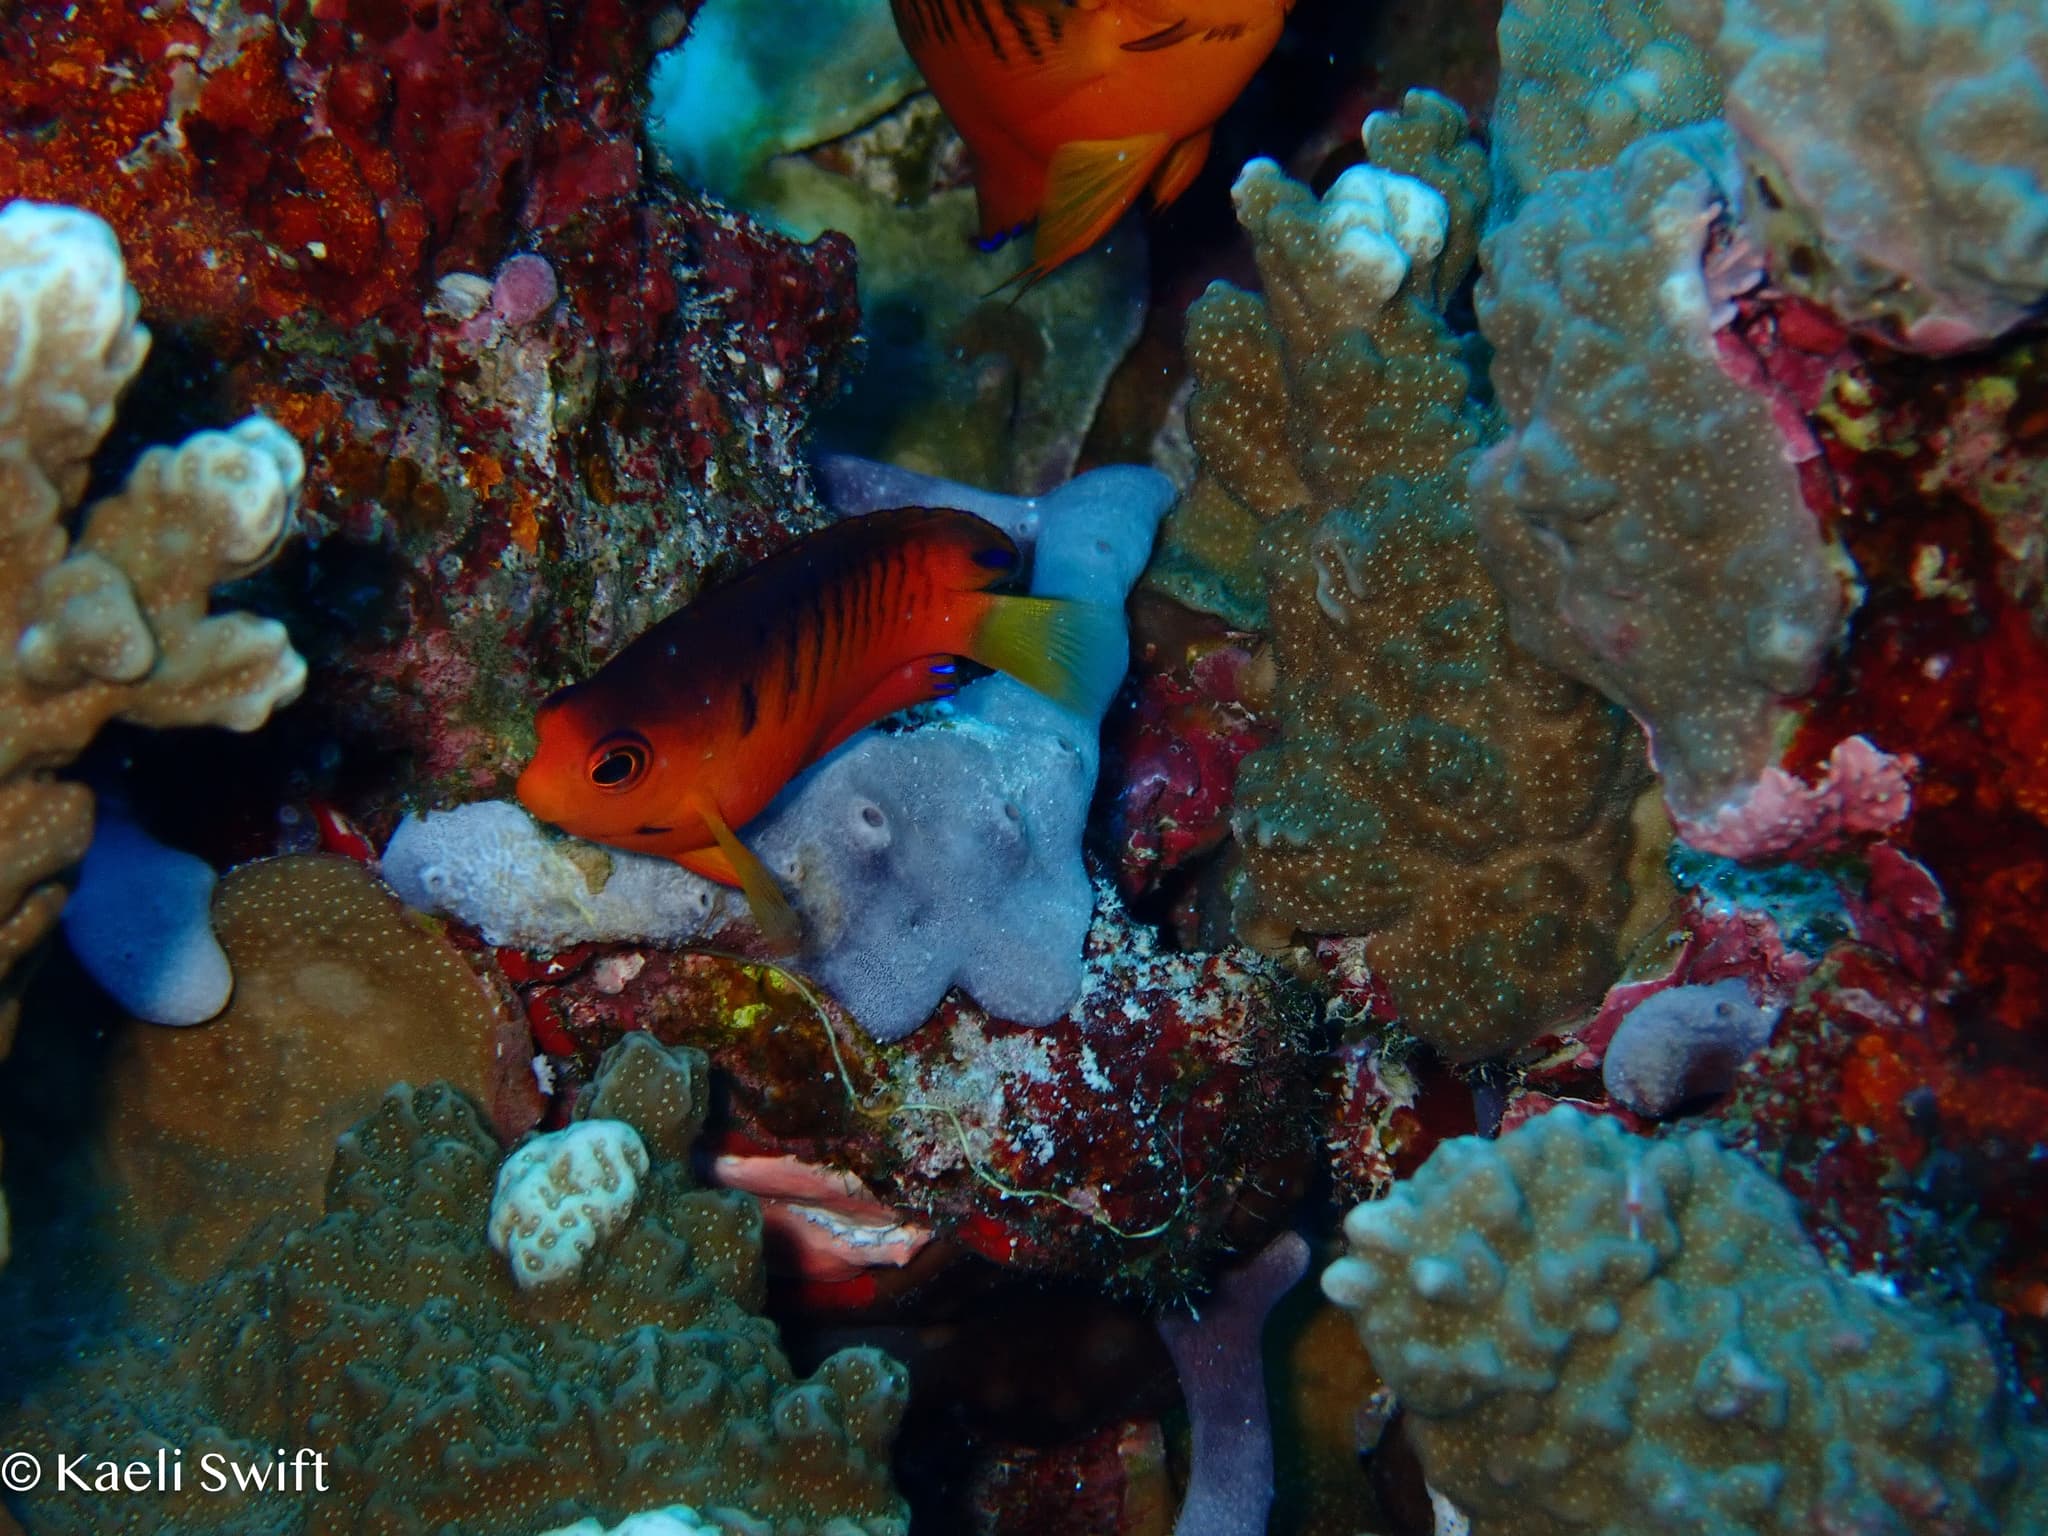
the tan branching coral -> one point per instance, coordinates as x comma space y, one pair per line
1432, 787
1581, 80
111, 624
1642, 517
1899, 155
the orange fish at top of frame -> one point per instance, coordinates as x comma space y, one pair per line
1071, 108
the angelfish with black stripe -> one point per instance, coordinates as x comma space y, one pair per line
690, 731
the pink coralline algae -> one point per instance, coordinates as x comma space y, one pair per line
1180, 746
1861, 792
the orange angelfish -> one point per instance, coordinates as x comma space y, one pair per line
1071, 108
692, 729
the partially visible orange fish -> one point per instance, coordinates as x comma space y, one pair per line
1071, 108
692, 729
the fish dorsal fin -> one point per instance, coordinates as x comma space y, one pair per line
1088, 185
771, 909
1073, 653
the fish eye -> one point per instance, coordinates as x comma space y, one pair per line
619, 762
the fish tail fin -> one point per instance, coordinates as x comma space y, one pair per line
1088, 185
772, 912
1073, 653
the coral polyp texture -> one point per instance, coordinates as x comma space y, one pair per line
1431, 786
561, 1195
1897, 155
1581, 80
447, 1398
111, 623
215, 1132
1642, 517
1592, 1332
106, 618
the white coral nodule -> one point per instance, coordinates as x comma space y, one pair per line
561, 1195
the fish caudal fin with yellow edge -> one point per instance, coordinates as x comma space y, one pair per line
1088, 186
772, 912
1073, 653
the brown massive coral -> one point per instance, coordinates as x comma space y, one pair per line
1432, 786
218, 1129
391, 1339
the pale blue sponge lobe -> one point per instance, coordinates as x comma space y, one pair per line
141, 923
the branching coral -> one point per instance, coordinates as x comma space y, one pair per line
1642, 518
1597, 1333
1581, 80
1431, 786
114, 623
1898, 155
447, 1399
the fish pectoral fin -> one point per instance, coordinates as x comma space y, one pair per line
1073, 653
1183, 164
1088, 185
772, 912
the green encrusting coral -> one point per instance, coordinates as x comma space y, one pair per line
389, 1338
1432, 787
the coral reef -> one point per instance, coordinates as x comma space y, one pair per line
349, 216
561, 1195
805, 126
109, 622
332, 162
1581, 80
1115, 1142
918, 860
1641, 518
226, 1129
447, 1398
141, 923
1431, 787
1897, 158
1591, 1332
